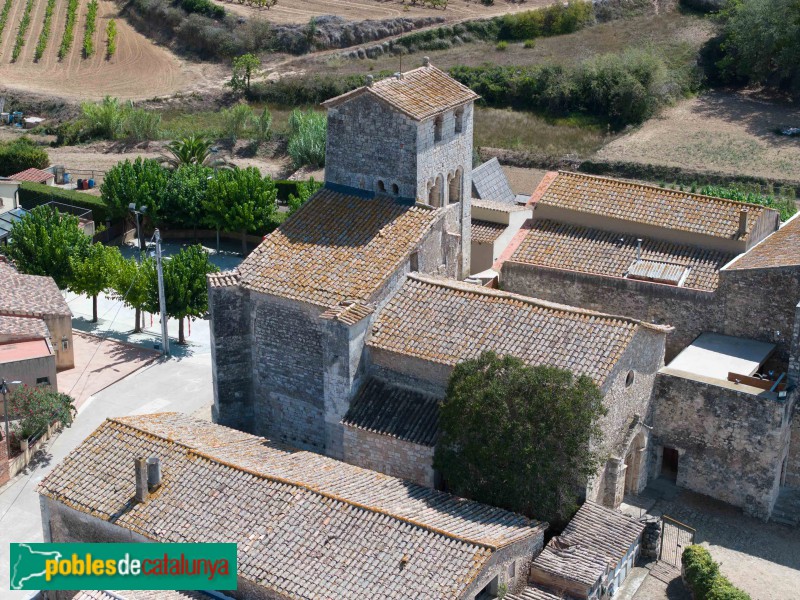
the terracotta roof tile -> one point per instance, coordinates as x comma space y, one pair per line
34, 175
336, 248
420, 94
650, 205
142, 595
348, 313
605, 253
781, 249
395, 411
447, 322
533, 592
223, 279
363, 534
595, 538
486, 232
20, 328
30, 295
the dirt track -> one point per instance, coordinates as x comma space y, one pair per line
139, 69
300, 11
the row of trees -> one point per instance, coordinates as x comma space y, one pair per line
47, 242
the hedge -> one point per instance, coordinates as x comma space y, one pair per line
35, 194
704, 579
286, 187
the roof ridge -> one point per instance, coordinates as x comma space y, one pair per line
315, 490
480, 290
650, 186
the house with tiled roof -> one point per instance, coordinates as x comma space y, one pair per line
32, 307
431, 324
34, 175
306, 526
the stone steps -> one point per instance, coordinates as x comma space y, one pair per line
787, 507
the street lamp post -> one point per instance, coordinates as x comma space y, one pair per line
4, 391
138, 211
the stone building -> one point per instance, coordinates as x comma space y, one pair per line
306, 525
36, 297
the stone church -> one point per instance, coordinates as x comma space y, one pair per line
339, 332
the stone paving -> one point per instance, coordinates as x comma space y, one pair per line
761, 558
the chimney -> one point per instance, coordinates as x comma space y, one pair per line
638, 249
426, 62
153, 473
141, 479
742, 222
370, 80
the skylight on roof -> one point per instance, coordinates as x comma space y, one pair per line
658, 271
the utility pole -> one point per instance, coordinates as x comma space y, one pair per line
162, 303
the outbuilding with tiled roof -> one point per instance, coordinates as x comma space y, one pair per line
34, 175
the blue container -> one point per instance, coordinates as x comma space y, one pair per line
91, 183
67, 177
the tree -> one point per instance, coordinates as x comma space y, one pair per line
241, 200
134, 284
190, 150
183, 199
21, 154
761, 42
95, 272
185, 286
244, 67
305, 189
517, 436
45, 241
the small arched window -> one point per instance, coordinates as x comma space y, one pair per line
395, 189
459, 120
381, 187
437, 128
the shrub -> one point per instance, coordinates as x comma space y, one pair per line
305, 189
308, 132
21, 154
38, 408
784, 202
556, 19
262, 126
44, 35
69, 29
142, 125
529, 44
294, 91
704, 579
4, 15
235, 121
90, 27
24, 23
501, 46
203, 7
105, 119
111, 38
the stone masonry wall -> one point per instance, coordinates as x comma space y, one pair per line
510, 565
691, 312
369, 141
288, 386
793, 462
731, 444
231, 346
389, 455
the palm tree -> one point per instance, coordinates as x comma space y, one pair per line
191, 150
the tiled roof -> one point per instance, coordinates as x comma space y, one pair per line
362, 534
669, 209
502, 207
143, 595
595, 538
20, 328
34, 175
336, 248
533, 592
489, 182
348, 313
574, 248
223, 279
486, 232
30, 295
781, 249
396, 411
420, 93
447, 322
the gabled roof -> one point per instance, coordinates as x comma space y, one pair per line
30, 295
650, 205
486, 232
400, 412
532, 592
595, 539
33, 175
420, 93
489, 182
335, 249
362, 534
605, 253
446, 322
781, 249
